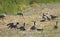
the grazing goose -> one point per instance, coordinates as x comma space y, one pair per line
39, 29
20, 13
33, 27
43, 19
56, 25
15, 26
11, 25
53, 17
22, 28
2, 15
48, 18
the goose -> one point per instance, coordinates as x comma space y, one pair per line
56, 25
53, 17
22, 28
20, 13
33, 27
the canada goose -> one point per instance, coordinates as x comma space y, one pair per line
15, 26
56, 25
39, 29
20, 13
22, 28
48, 18
53, 17
2, 15
33, 27
43, 19
11, 25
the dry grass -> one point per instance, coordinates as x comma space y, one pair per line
29, 17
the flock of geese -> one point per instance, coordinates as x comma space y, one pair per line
22, 28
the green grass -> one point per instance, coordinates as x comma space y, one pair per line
12, 6
49, 1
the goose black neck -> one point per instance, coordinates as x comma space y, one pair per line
34, 23
56, 22
24, 24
